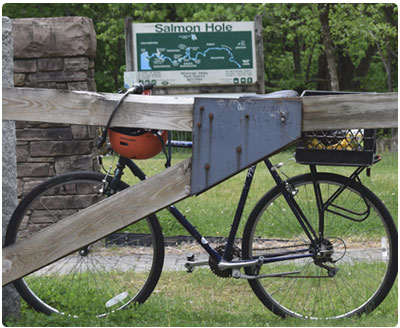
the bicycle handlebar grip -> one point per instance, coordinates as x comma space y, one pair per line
138, 89
148, 86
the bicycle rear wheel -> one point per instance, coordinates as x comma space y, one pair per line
358, 242
101, 278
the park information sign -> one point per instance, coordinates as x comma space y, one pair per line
193, 53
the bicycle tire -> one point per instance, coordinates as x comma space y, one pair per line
101, 278
366, 247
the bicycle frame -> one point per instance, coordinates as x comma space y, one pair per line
312, 235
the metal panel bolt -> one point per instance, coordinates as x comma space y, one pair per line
238, 149
283, 117
201, 108
211, 116
207, 166
199, 125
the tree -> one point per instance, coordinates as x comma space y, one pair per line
329, 49
303, 42
365, 34
384, 35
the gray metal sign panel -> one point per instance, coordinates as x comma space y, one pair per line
229, 135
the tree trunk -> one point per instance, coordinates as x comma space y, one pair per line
310, 62
296, 57
323, 75
389, 67
386, 63
365, 63
329, 49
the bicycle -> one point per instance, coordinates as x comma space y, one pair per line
334, 242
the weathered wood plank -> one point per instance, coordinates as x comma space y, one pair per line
91, 108
176, 113
350, 111
97, 221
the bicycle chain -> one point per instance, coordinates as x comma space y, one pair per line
272, 248
292, 276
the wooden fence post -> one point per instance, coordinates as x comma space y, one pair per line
259, 54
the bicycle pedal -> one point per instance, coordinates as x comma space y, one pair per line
191, 263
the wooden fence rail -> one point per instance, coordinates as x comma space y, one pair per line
168, 187
95, 222
176, 113
91, 108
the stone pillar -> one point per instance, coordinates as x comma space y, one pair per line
11, 301
53, 53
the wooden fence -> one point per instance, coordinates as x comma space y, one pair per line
169, 186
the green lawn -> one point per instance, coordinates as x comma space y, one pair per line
202, 299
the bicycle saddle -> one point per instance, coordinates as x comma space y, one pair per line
276, 94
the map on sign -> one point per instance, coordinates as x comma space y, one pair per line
193, 53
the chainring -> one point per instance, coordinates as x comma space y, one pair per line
235, 253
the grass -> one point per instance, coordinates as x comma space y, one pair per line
202, 299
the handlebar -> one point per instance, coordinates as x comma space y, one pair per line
138, 88
135, 89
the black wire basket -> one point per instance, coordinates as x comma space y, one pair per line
353, 147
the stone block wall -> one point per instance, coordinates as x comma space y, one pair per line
76, 73
53, 53
45, 150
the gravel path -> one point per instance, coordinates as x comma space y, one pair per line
174, 261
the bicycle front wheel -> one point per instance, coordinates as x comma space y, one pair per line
352, 269
108, 275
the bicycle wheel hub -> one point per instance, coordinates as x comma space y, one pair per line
331, 249
84, 251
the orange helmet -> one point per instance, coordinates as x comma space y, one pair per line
136, 143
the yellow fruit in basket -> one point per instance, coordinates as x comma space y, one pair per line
349, 141
313, 144
355, 141
344, 144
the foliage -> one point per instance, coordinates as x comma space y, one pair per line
364, 37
